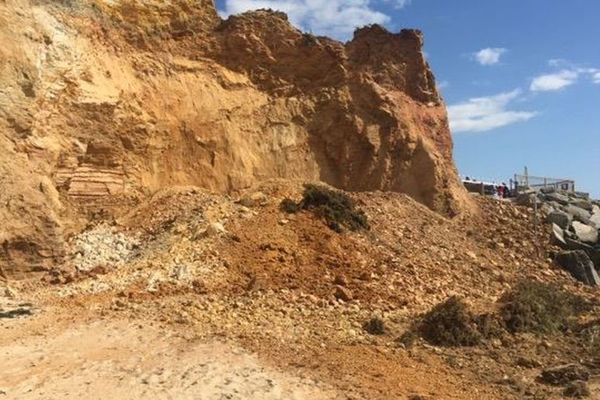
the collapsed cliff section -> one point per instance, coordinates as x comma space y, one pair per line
104, 102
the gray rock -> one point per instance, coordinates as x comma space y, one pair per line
581, 195
578, 213
549, 189
559, 235
557, 197
15, 312
579, 265
574, 244
560, 218
595, 218
585, 233
585, 204
526, 199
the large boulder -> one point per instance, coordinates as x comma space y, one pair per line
579, 265
559, 218
595, 218
557, 197
578, 213
585, 204
526, 198
559, 235
585, 233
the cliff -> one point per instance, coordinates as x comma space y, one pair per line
104, 102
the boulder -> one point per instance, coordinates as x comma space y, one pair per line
595, 218
579, 265
557, 197
526, 199
558, 235
549, 189
585, 204
585, 233
578, 213
559, 218
574, 244
581, 195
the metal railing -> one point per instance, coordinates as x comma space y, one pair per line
539, 182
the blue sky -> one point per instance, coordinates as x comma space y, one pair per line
521, 78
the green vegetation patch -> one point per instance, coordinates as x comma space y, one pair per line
450, 323
537, 307
335, 207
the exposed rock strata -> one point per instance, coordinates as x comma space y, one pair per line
105, 102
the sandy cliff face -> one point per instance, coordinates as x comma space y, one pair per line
103, 102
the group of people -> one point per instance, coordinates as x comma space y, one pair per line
500, 191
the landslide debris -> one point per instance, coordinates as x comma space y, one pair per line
272, 282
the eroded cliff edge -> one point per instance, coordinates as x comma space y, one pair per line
103, 102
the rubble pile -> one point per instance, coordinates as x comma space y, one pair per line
575, 220
102, 246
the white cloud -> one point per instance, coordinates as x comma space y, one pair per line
336, 18
443, 84
486, 113
555, 81
489, 56
398, 3
569, 74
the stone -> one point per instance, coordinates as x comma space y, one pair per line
214, 229
579, 265
549, 189
253, 199
341, 280
526, 199
16, 312
557, 197
564, 374
559, 218
585, 204
577, 389
578, 213
342, 293
595, 218
574, 244
558, 235
585, 233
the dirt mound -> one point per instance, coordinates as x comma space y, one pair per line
107, 102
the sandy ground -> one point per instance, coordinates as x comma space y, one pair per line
130, 360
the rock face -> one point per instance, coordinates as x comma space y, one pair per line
105, 102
